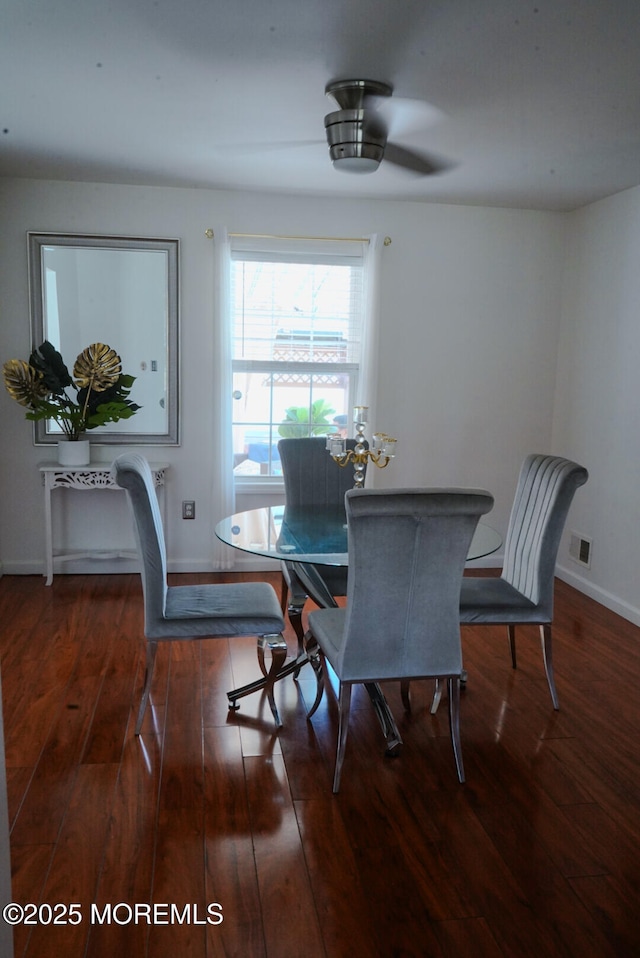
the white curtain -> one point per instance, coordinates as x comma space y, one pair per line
368, 379
223, 501
223, 492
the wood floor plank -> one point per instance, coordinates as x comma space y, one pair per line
614, 909
285, 889
610, 840
126, 873
493, 889
179, 880
75, 864
182, 770
29, 870
216, 678
52, 784
567, 924
466, 938
17, 784
397, 908
30, 716
179, 862
348, 926
231, 875
116, 699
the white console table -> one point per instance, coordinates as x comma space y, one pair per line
97, 475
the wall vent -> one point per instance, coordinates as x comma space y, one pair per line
580, 549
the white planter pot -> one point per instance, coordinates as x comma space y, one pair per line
74, 453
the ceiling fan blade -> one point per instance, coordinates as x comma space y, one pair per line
273, 146
419, 163
402, 115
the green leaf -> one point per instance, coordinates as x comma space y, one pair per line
50, 363
83, 409
297, 425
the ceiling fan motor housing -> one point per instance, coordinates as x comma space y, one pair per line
356, 135
353, 135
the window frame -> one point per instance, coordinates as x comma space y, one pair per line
298, 251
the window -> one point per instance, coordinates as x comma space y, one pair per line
297, 309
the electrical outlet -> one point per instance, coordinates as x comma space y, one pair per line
188, 509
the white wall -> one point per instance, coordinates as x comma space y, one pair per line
597, 403
470, 301
468, 343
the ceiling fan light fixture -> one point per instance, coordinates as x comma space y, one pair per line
356, 157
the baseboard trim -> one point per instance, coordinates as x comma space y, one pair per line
118, 566
605, 598
23, 567
251, 563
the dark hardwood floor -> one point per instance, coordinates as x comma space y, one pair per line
537, 855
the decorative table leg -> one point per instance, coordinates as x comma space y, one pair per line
278, 648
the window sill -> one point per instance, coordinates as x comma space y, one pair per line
264, 485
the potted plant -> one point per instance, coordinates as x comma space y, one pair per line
96, 394
300, 421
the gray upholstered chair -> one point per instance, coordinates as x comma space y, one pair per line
524, 591
311, 477
407, 551
195, 611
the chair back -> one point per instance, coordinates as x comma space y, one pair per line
131, 471
545, 489
407, 551
311, 476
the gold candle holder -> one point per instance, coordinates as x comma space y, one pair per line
382, 451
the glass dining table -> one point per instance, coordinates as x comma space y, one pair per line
310, 538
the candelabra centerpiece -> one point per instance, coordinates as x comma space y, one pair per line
382, 451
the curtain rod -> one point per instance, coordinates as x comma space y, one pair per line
325, 239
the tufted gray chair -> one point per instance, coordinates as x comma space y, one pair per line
311, 477
524, 591
407, 551
195, 611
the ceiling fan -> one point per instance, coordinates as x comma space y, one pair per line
358, 133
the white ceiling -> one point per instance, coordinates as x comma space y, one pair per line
541, 99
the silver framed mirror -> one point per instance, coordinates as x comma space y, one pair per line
118, 290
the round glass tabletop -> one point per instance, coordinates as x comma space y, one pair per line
315, 534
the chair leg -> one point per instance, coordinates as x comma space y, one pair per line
435, 701
545, 637
385, 717
454, 724
294, 611
152, 648
284, 592
315, 658
511, 631
437, 695
278, 648
262, 665
293, 600
344, 705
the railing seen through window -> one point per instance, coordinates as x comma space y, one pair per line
298, 318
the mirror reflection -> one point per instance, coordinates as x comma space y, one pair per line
121, 291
